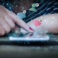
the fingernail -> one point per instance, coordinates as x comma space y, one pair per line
31, 29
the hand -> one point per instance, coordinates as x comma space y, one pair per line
49, 22
8, 20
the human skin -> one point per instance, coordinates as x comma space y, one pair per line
49, 21
8, 20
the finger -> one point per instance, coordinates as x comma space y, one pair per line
2, 31
19, 21
4, 24
10, 21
